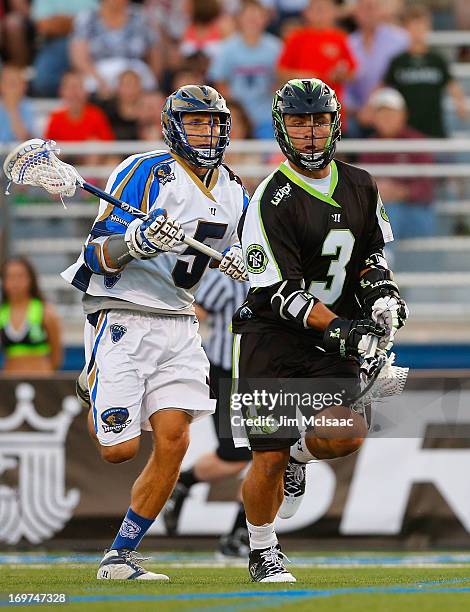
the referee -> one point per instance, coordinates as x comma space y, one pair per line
218, 297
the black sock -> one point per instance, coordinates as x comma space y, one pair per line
240, 520
188, 478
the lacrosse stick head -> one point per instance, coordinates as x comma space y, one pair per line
35, 163
386, 380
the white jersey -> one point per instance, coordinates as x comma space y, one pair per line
208, 211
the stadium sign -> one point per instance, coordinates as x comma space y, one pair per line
38, 507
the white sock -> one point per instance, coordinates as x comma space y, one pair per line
300, 452
262, 536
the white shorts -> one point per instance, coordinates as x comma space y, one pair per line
139, 363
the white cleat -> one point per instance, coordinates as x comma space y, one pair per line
124, 564
294, 488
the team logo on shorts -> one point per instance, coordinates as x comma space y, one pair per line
110, 281
115, 419
117, 332
164, 174
256, 259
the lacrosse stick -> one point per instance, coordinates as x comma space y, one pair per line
35, 163
379, 377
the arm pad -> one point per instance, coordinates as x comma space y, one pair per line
107, 255
291, 302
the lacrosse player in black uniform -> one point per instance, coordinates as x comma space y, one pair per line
312, 238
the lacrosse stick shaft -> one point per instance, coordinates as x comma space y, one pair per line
135, 212
372, 347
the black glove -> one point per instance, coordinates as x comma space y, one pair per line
349, 338
376, 284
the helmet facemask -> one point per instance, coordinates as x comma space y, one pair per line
178, 134
212, 147
308, 97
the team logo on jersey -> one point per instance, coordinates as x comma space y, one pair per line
164, 174
115, 419
110, 281
245, 313
281, 193
117, 332
256, 259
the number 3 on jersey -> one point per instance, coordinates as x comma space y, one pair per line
339, 244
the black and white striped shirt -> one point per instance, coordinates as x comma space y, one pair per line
220, 296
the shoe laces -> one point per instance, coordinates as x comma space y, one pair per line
273, 560
294, 478
133, 557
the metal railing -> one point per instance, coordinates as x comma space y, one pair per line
266, 154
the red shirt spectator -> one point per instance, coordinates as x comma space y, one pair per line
77, 119
318, 50
92, 124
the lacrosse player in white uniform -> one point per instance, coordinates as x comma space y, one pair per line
145, 366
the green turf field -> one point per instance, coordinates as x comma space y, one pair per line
374, 585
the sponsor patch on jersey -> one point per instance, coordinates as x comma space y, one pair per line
110, 281
164, 174
281, 193
117, 332
383, 214
118, 219
256, 259
115, 419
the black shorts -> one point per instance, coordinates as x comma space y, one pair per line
226, 449
283, 355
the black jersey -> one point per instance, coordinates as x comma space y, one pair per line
291, 231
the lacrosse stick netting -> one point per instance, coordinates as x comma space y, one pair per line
389, 382
35, 163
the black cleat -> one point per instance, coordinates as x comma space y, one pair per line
172, 509
266, 565
235, 545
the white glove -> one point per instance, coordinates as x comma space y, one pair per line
385, 311
233, 265
153, 236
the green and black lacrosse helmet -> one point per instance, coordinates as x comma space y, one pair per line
196, 99
307, 96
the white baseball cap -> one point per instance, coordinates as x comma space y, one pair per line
387, 98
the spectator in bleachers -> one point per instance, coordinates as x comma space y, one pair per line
16, 111
122, 109
16, 32
242, 129
319, 49
245, 66
30, 334
285, 11
53, 21
77, 119
422, 76
374, 44
111, 39
149, 117
207, 28
408, 201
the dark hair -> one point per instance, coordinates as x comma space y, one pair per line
205, 11
235, 105
34, 290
